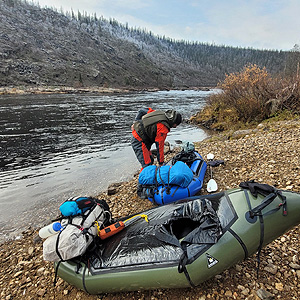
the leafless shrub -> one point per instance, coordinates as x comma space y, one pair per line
251, 96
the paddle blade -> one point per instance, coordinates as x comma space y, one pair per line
210, 156
212, 186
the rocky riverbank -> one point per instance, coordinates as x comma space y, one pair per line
83, 90
268, 154
66, 90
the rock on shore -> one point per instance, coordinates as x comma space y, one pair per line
268, 154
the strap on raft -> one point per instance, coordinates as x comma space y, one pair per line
270, 194
182, 268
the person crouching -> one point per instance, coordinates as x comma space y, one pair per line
152, 127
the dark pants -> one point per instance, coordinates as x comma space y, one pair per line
143, 155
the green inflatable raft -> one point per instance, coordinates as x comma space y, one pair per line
183, 244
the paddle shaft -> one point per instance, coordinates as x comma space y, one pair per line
212, 184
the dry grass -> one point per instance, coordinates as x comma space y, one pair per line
249, 97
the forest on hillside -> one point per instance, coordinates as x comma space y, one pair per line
43, 46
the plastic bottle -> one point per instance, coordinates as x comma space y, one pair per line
50, 229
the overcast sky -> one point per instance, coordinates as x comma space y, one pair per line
260, 24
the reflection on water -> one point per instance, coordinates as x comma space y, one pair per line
53, 147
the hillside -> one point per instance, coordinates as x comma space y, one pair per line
44, 47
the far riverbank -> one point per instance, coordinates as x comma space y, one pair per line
83, 90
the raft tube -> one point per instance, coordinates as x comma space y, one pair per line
184, 243
164, 195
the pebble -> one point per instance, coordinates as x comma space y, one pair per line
40, 271
41, 292
295, 266
245, 292
265, 295
279, 286
271, 269
18, 274
238, 268
30, 250
295, 259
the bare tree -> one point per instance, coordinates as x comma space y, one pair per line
293, 61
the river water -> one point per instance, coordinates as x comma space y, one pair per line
56, 146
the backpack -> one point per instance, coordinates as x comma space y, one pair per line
142, 111
81, 218
187, 157
169, 114
178, 174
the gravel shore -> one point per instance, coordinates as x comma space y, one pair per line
269, 154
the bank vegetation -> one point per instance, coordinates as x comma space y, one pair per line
249, 97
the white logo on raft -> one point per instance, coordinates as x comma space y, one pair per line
211, 261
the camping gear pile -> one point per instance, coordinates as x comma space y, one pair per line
79, 222
180, 178
180, 244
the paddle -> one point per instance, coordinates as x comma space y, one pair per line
118, 226
212, 184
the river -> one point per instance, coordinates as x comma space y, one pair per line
56, 146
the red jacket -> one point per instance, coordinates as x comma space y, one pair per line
160, 138
161, 135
